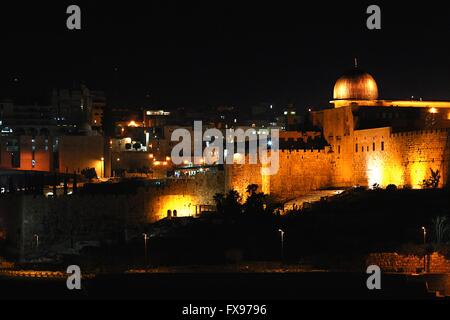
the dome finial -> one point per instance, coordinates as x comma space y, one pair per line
356, 63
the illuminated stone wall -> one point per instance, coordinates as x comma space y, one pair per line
406, 159
422, 151
393, 262
239, 177
338, 131
183, 195
358, 157
68, 219
363, 157
375, 158
299, 172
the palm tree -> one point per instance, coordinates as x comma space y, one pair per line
252, 189
433, 181
229, 204
441, 229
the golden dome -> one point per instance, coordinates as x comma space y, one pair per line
356, 85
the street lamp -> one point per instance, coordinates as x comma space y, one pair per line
103, 169
282, 243
36, 237
424, 242
146, 238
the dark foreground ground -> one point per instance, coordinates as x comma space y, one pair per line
229, 287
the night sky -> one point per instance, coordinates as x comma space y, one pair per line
201, 54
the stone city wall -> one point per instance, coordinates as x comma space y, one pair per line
300, 171
393, 262
62, 221
406, 159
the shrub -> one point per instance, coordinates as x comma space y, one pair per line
433, 181
376, 186
89, 174
391, 188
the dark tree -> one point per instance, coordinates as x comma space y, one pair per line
89, 174
229, 204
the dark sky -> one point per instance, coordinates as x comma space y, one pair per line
197, 54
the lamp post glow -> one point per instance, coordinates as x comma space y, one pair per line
103, 168
424, 242
146, 238
282, 243
36, 237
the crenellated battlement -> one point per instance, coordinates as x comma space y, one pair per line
420, 133
304, 152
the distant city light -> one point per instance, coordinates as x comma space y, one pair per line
158, 113
433, 110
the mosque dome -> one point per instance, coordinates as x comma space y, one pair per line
356, 85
